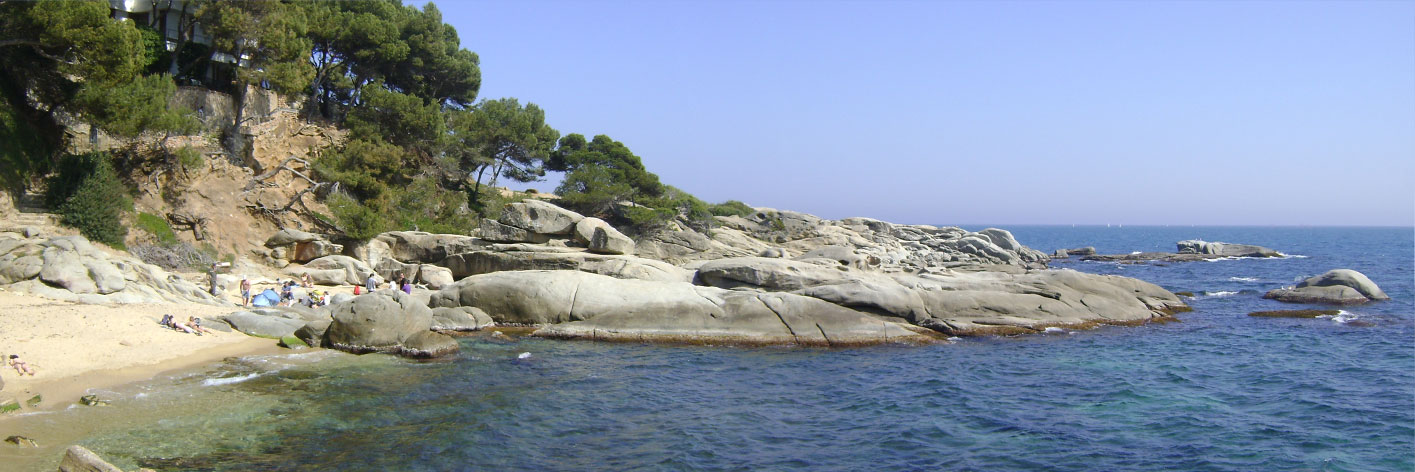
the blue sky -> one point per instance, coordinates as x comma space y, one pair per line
944, 112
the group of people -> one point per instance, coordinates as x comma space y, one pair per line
191, 326
399, 282
317, 297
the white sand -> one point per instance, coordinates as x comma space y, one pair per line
75, 347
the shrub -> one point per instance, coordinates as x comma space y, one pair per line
157, 226
87, 195
189, 158
731, 208
356, 220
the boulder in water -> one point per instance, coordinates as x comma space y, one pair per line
79, 459
384, 321
1336, 287
1194, 246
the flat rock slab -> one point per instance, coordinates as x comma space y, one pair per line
1294, 313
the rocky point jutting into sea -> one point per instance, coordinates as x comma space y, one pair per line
772, 277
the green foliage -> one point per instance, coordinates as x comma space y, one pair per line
356, 220
26, 147
592, 190
52, 49
187, 157
610, 155
157, 227
87, 195
268, 32
403, 120
503, 137
402, 49
136, 106
154, 50
365, 167
731, 208
424, 206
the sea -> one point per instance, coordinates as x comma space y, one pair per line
1217, 391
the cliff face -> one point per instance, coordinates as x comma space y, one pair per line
229, 202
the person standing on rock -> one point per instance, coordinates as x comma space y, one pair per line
245, 291
215, 287
371, 284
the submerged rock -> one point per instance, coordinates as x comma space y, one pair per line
1294, 313
1337, 287
79, 459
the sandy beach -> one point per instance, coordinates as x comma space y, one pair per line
76, 347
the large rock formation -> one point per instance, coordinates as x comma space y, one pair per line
1189, 251
70, 268
386, 321
1337, 287
766, 300
888, 246
530, 257
292, 245
334, 270
1194, 246
592, 306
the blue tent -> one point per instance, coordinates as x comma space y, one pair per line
266, 298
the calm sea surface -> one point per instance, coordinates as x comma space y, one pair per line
1218, 391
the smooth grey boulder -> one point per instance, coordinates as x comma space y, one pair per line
312, 333
268, 324
308, 251
20, 263
1194, 246
607, 240
843, 255
766, 273
389, 268
1001, 238
462, 318
592, 306
380, 322
70, 268
65, 269
428, 344
957, 302
625, 267
584, 229
435, 277
491, 230
416, 247
774, 252
540, 217
338, 298
1060, 254
1337, 287
80, 459
286, 237
327, 270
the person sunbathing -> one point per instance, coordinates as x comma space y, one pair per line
172, 322
195, 323
20, 366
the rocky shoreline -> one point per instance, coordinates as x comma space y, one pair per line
772, 277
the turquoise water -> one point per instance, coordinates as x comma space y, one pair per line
1218, 391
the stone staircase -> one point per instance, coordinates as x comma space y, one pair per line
30, 213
